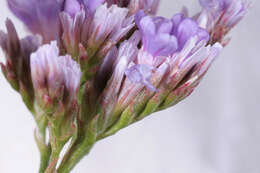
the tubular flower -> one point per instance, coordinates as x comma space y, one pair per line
98, 66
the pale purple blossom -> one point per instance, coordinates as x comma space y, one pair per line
54, 75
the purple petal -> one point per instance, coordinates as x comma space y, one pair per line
72, 7
176, 20
163, 45
141, 73
92, 5
186, 30
202, 35
156, 35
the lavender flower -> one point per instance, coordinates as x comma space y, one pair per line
105, 64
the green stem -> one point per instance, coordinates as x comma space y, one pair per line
75, 155
40, 138
80, 148
53, 162
45, 156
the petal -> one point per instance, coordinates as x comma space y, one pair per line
92, 5
141, 73
72, 7
186, 30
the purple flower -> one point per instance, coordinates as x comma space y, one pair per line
141, 73
185, 28
156, 36
163, 37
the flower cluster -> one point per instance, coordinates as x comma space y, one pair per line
93, 67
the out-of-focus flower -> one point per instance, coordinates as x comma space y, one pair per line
17, 66
220, 16
38, 16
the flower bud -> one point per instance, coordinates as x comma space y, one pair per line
55, 77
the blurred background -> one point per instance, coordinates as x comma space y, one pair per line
215, 130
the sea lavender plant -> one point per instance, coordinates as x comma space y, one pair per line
92, 67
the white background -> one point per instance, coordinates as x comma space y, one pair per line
215, 130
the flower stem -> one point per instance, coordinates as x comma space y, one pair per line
74, 156
80, 148
53, 162
40, 138
45, 156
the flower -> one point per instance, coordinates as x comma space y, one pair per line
54, 77
162, 38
